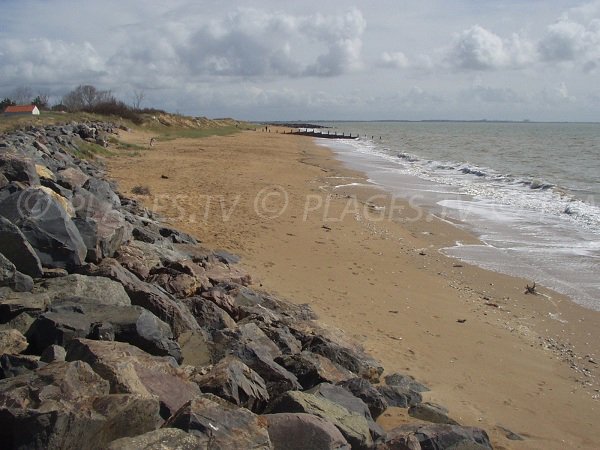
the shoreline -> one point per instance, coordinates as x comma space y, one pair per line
385, 282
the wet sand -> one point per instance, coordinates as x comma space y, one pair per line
370, 265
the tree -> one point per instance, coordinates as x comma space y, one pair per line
22, 95
41, 101
138, 98
6, 102
85, 97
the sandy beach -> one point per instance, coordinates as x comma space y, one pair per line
312, 231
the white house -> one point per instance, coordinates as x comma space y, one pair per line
22, 110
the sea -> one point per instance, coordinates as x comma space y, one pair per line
529, 191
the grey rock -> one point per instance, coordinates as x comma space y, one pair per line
163, 438
133, 371
364, 390
102, 290
12, 278
298, 431
342, 397
103, 191
406, 381
312, 369
15, 247
13, 304
15, 365
53, 353
353, 426
47, 226
399, 397
435, 436
351, 358
431, 412
234, 381
223, 424
71, 178
68, 406
18, 168
208, 314
79, 317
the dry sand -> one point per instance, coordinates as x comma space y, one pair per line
471, 335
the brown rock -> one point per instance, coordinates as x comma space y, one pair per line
164, 438
12, 341
298, 431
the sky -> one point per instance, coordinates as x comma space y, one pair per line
327, 59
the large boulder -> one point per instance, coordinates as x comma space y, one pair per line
15, 247
342, 397
364, 390
399, 396
221, 423
312, 369
18, 168
12, 278
297, 431
47, 226
431, 412
234, 381
146, 295
12, 341
257, 351
208, 315
353, 426
12, 365
67, 406
101, 290
405, 381
350, 357
71, 178
163, 439
133, 371
438, 436
79, 317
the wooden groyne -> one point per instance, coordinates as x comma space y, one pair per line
325, 135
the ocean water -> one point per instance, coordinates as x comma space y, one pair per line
529, 191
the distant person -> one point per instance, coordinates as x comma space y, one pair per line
152, 142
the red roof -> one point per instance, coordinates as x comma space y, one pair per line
19, 108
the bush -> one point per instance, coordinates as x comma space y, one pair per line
114, 107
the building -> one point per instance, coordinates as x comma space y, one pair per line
22, 110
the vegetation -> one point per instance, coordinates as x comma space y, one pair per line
88, 150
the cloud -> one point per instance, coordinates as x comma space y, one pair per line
44, 61
250, 43
488, 94
393, 60
480, 49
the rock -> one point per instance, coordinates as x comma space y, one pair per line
407, 381
175, 283
15, 247
103, 191
62, 201
510, 435
312, 369
353, 426
3, 181
281, 335
399, 397
438, 436
21, 323
353, 359
67, 406
257, 351
176, 236
431, 412
53, 353
221, 423
196, 348
147, 296
15, 365
364, 390
79, 317
208, 314
221, 273
163, 438
12, 278
13, 304
71, 178
44, 172
289, 431
47, 227
18, 168
234, 381
12, 341
342, 397
101, 290
132, 371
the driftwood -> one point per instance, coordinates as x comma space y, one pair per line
530, 289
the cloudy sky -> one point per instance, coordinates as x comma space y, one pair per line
326, 59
